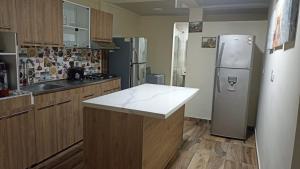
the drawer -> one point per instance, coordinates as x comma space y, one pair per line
107, 86
8, 106
117, 84
64, 96
88, 92
44, 100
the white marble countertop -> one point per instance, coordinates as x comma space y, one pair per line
157, 101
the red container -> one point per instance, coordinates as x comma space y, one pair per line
4, 93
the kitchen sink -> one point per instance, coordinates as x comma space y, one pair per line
48, 86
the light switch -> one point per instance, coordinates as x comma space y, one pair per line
272, 76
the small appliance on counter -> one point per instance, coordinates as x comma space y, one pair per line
155, 79
4, 91
76, 73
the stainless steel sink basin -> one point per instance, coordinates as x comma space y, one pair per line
48, 86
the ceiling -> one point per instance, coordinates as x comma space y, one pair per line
256, 8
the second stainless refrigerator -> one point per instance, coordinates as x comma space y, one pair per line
232, 84
130, 61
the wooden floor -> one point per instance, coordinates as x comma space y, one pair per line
199, 150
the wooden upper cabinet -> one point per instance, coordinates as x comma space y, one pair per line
7, 15
39, 22
101, 26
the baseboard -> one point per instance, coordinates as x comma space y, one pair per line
257, 152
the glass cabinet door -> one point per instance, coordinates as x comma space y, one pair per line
76, 25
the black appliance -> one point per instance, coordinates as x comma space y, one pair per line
76, 73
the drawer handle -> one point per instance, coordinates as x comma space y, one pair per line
64, 102
20, 113
41, 108
88, 96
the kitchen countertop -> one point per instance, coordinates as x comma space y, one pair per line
64, 85
156, 101
15, 94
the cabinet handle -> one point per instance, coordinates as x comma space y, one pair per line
64, 102
19, 113
41, 108
5, 27
88, 96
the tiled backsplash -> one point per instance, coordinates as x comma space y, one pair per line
39, 64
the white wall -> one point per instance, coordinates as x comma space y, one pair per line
125, 22
201, 62
278, 108
159, 32
296, 161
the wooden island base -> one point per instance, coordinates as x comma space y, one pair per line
115, 140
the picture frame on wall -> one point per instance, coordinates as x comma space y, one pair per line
283, 23
209, 42
195, 27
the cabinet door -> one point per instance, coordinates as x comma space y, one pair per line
94, 24
65, 124
52, 22
25, 20
3, 143
21, 139
78, 115
6, 15
46, 136
40, 28
108, 20
57, 22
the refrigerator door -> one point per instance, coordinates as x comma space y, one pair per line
235, 51
138, 74
139, 50
119, 61
230, 103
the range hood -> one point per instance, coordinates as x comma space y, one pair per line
104, 45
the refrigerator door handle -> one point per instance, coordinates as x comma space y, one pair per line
135, 56
138, 73
221, 54
218, 81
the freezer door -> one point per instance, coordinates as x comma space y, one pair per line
235, 51
230, 103
139, 50
138, 74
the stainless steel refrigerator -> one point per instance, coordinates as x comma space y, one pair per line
232, 85
130, 61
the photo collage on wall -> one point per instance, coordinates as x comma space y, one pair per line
38, 64
283, 23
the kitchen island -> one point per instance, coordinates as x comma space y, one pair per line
137, 128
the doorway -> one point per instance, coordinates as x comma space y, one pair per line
179, 50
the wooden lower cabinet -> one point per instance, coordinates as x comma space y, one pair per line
21, 137
3, 143
46, 132
59, 117
17, 138
65, 124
